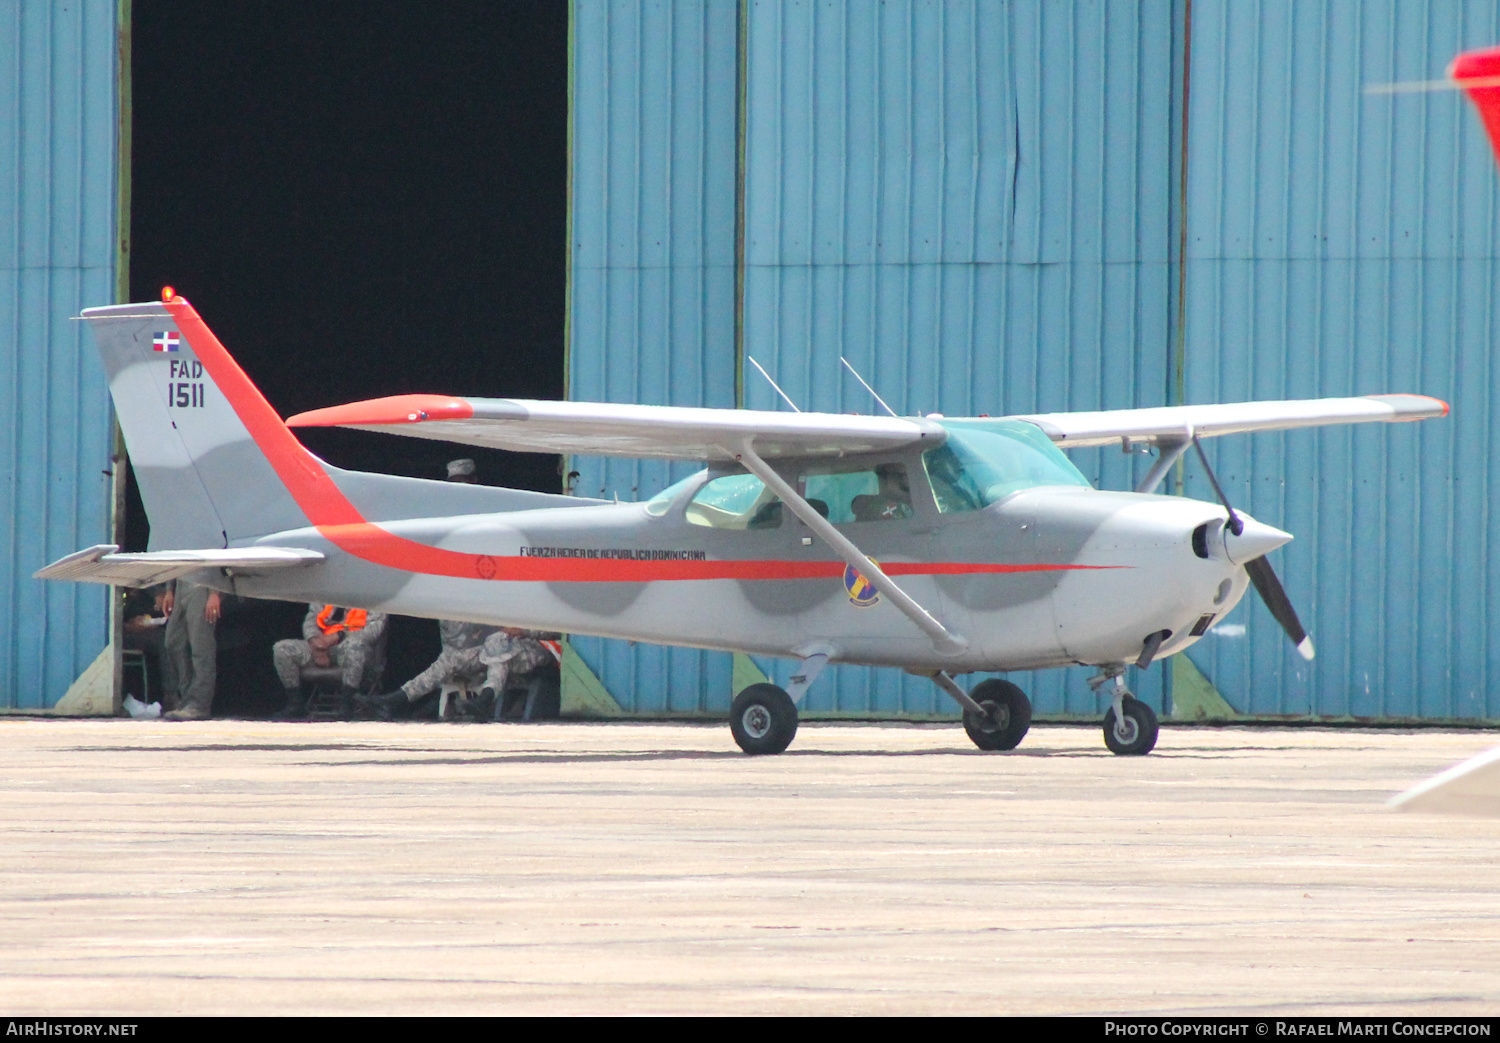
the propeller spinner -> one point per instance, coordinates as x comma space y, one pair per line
1247, 542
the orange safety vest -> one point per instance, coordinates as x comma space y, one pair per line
354, 619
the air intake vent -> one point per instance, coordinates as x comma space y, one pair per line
1201, 627
1200, 540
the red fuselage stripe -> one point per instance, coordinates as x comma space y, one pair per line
340, 522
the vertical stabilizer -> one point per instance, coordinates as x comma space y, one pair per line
191, 420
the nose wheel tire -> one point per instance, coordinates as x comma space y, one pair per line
1006, 719
763, 719
1135, 734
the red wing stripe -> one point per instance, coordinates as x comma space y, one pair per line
340, 522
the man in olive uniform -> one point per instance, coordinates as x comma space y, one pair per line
331, 635
192, 647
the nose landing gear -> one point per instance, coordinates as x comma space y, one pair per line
1130, 726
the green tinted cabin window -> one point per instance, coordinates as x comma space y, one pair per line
879, 493
735, 501
985, 461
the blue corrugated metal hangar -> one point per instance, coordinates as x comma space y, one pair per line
993, 207
987, 207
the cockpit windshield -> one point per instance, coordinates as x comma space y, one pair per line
984, 461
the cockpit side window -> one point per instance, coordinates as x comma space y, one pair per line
953, 487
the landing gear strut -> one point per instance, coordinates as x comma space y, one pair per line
997, 714
1006, 718
1130, 726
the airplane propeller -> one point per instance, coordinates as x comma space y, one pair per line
1267, 583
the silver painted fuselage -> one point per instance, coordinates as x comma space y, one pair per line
1088, 575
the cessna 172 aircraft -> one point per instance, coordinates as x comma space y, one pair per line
935, 545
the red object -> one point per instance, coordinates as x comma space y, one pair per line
353, 619
1485, 67
397, 409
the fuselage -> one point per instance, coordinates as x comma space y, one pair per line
1046, 575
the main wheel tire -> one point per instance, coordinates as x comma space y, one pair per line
763, 719
1136, 735
1007, 718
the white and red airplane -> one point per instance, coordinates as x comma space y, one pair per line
935, 545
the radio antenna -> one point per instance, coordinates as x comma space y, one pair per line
773, 383
867, 387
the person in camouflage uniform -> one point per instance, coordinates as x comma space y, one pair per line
471, 652
510, 652
330, 635
463, 643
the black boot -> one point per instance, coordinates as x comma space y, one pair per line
296, 705
479, 708
385, 706
484, 705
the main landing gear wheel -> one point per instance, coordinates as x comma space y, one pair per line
1007, 715
1135, 734
763, 719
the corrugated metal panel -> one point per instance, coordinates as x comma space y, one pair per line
57, 255
975, 203
970, 201
652, 276
1343, 243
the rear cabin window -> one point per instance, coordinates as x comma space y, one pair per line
985, 461
866, 494
735, 501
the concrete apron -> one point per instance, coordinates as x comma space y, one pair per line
245, 867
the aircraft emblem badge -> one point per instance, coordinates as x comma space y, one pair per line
862, 593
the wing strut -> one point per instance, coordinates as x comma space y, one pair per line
943, 639
1169, 450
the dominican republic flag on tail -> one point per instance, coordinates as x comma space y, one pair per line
164, 341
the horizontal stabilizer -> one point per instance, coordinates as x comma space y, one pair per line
102, 564
1471, 787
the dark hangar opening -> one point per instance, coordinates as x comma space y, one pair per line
361, 199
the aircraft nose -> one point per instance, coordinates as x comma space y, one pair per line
1255, 540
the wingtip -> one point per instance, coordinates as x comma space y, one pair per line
1305, 649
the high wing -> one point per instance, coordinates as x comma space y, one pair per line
1174, 423
686, 433
102, 564
670, 432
